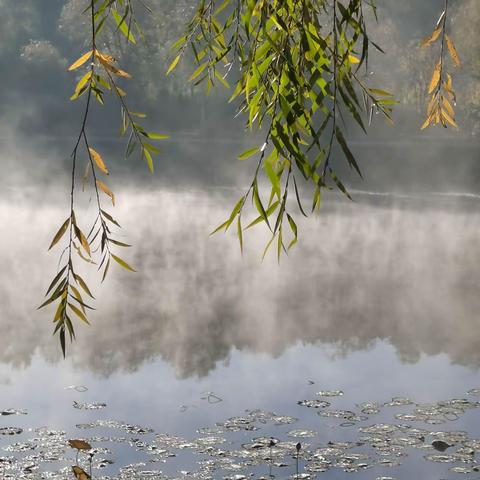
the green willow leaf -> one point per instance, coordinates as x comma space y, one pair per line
60, 233
122, 263
82, 284
248, 153
79, 313
56, 279
123, 26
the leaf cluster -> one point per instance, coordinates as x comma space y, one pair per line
442, 97
294, 68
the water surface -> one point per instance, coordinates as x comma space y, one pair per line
378, 301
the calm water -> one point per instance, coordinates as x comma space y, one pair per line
193, 363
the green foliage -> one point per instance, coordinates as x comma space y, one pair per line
294, 67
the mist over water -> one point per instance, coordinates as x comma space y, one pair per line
402, 270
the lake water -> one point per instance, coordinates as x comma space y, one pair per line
195, 363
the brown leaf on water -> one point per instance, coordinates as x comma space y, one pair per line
80, 473
80, 444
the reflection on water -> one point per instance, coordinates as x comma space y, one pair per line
405, 274
267, 407
364, 344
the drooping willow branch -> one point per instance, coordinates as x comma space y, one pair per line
298, 71
440, 89
68, 288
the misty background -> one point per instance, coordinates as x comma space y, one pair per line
38, 121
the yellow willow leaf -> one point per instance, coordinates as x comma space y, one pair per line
450, 95
83, 240
430, 118
119, 72
442, 119
120, 92
426, 124
81, 60
106, 190
98, 160
113, 69
449, 83
437, 116
104, 56
435, 77
448, 107
353, 59
453, 51
449, 119
431, 38
173, 64
83, 81
431, 104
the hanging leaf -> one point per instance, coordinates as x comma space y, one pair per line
449, 119
82, 283
80, 61
106, 190
123, 26
435, 77
83, 240
123, 263
453, 51
148, 157
157, 136
173, 64
240, 233
248, 153
82, 83
98, 160
56, 279
60, 233
432, 38
79, 313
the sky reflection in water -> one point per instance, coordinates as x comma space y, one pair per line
378, 301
